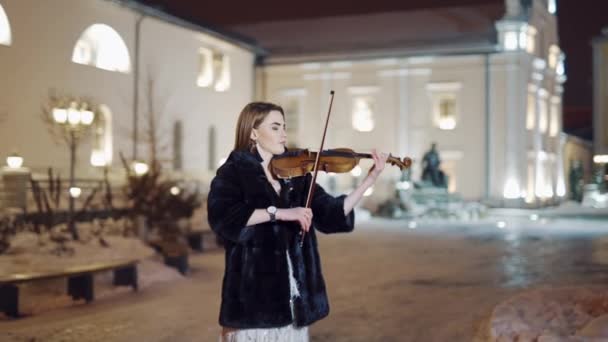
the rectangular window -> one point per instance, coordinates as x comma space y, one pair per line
447, 112
363, 113
510, 41
222, 65
291, 107
363, 107
292, 101
205, 71
530, 43
444, 104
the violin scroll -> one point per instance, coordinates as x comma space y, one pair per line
406, 163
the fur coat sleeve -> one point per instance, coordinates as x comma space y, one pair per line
228, 211
328, 213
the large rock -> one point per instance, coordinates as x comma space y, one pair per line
552, 314
597, 328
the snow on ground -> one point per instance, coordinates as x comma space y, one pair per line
387, 281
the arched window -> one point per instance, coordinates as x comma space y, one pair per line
5, 28
101, 46
102, 141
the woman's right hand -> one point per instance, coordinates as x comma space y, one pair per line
300, 214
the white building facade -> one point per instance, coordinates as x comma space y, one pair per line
196, 80
487, 89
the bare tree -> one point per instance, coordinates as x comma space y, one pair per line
153, 127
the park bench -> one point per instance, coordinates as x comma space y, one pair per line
79, 285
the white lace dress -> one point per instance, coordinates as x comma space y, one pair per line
288, 333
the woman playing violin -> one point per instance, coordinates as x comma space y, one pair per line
273, 288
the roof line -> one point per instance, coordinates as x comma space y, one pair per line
482, 48
232, 37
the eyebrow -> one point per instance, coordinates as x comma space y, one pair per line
277, 123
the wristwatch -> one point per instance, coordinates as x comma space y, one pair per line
272, 211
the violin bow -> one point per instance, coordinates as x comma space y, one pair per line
315, 168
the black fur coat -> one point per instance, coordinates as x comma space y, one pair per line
256, 289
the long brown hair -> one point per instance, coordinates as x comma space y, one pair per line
251, 117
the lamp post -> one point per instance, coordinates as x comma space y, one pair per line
74, 120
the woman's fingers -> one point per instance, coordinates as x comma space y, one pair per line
307, 223
303, 224
307, 215
302, 215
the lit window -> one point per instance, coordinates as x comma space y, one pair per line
205, 72
559, 69
552, 6
554, 53
523, 39
517, 36
529, 43
444, 103
5, 28
447, 113
222, 64
511, 41
363, 113
101, 46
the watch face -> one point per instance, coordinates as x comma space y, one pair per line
272, 209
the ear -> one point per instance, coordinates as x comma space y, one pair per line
254, 134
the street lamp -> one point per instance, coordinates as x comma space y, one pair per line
74, 119
14, 161
140, 168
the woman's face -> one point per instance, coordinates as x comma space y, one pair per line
270, 134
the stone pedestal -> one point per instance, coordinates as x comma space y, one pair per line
15, 183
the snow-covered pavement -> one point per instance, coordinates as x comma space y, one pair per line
387, 281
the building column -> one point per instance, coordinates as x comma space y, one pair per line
516, 95
537, 136
560, 185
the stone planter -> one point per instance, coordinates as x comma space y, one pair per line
175, 254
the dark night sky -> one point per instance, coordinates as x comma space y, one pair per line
579, 21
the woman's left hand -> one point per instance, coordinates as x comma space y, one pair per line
379, 163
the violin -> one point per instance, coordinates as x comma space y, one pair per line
300, 162
336, 160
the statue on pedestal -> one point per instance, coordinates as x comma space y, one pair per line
430, 168
575, 178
